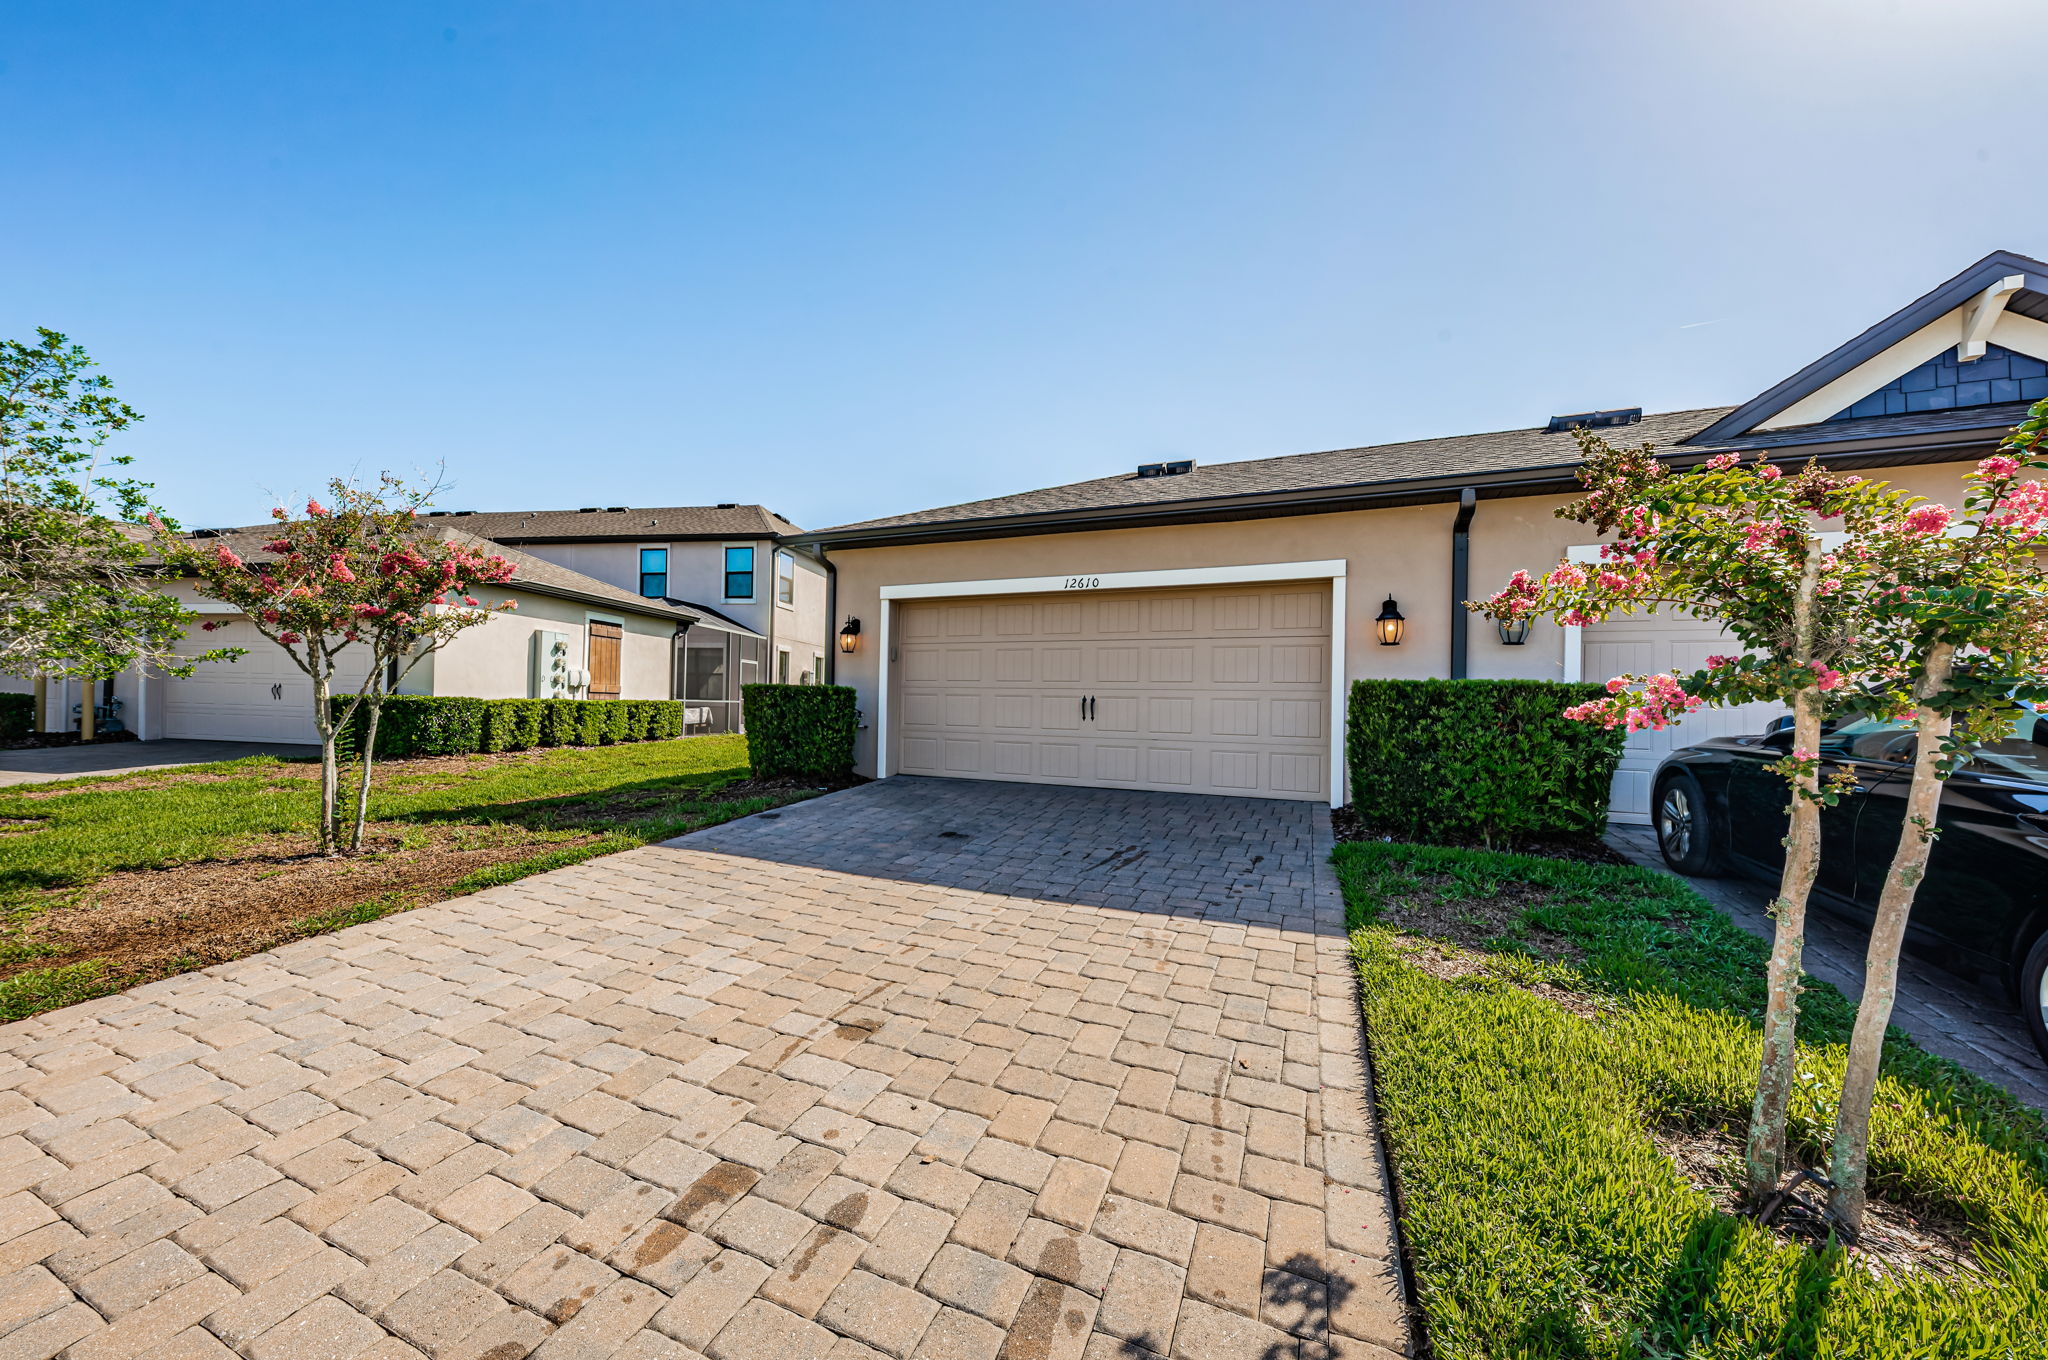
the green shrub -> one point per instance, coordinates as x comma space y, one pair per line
454, 724
418, 725
799, 729
512, 724
1488, 760
1543, 1216
559, 722
17, 715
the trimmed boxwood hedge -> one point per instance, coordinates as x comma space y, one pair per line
1495, 761
802, 730
17, 715
454, 724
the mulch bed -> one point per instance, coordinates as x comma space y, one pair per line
1896, 1240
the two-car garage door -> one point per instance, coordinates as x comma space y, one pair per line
1214, 690
260, 696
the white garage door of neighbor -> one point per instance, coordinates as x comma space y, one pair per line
1648, 646
1215, 690
260, 696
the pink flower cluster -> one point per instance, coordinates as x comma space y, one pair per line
1660, 702
1998, 467
1928, 519
1829, 678
2022, 508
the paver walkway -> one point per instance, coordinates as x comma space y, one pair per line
923, 1069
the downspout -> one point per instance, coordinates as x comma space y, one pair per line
1461, 573
831, 676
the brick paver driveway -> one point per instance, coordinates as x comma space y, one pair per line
924, 1068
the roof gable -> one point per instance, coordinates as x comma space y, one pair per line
2000, 300
1946, 382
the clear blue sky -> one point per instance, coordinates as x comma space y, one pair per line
853, 257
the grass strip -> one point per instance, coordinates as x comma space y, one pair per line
1543, 1218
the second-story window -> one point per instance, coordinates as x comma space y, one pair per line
785, 578
739, 573
654, 572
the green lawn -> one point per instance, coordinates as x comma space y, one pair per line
1604, 1003
527, 812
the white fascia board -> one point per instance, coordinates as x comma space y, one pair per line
1119, 580
1887, 366
2022, 335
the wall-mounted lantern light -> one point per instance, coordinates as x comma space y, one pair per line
1388, 624
1513, 632
849, 634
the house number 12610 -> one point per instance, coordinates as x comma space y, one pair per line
1083, 583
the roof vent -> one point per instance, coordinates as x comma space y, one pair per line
615, 509
1594, 420
728, 505
206, 533
1179, 468
587, 510
432, 513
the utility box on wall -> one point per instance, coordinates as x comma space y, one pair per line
550, 678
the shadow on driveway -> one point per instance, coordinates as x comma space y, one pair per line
1257, 860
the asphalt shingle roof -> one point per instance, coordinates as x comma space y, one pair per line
529, 572
1450, 456
623, 522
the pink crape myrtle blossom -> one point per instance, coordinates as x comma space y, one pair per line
1928, 519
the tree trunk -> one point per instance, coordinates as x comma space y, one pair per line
330, 776
376, 707
1850, 1164
42, 704
1764, 1153
87, 728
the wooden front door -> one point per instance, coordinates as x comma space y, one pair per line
604, 659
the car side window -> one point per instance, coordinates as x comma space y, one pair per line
2022, 755
1869, 739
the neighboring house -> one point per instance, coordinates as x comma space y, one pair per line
730, 557
1194, 628
572, 636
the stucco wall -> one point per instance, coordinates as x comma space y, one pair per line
493, 660
1404, 552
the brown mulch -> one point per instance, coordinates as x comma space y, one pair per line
1347, 825
214, 910
1895, 1241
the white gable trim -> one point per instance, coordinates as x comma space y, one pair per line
2017, 333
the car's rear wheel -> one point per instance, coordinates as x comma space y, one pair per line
1685, 836
2034, 994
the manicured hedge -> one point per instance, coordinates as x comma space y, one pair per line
17, 715
453, 724
1451, 761
799, 729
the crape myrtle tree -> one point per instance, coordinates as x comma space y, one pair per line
76, 592
1747, 547
359, 572
1958, 630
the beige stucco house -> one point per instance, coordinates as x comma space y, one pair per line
607, 606
1194, 628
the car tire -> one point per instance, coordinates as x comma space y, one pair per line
1685, 834
2034, 994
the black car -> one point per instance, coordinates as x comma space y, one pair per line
1983, 910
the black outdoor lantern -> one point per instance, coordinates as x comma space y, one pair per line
849, 634
1388, 624
1513, 632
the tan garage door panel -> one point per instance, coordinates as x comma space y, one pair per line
1215, 690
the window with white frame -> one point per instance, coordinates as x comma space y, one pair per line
739, 571
785, 578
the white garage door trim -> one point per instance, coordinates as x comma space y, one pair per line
1331, 571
